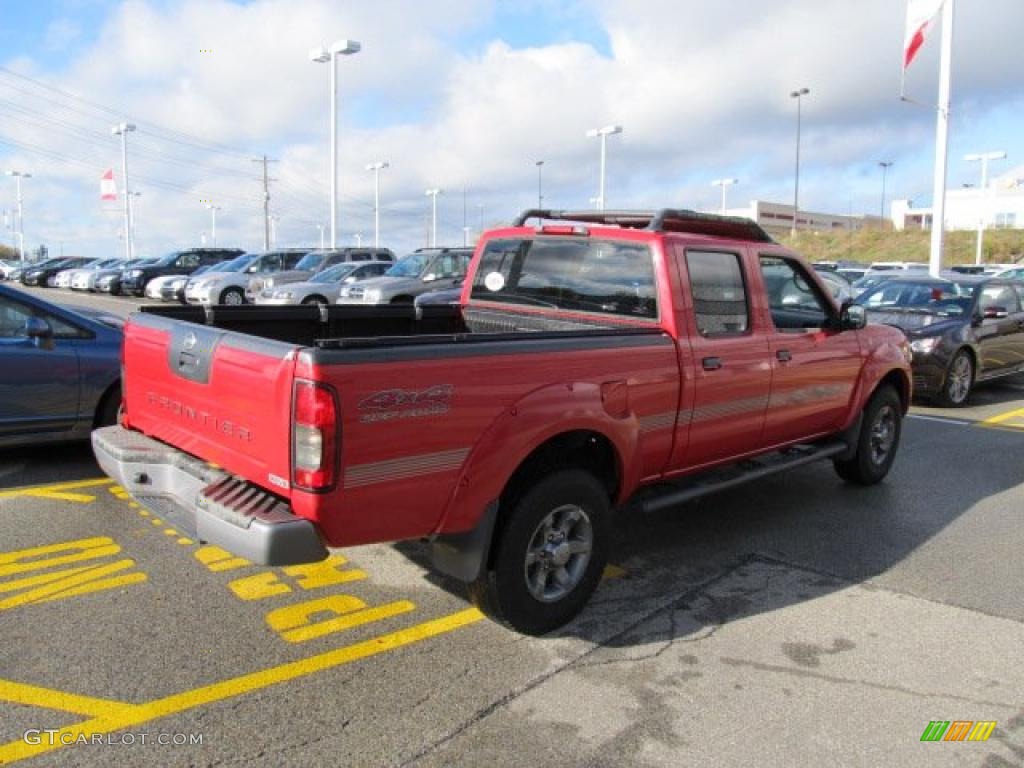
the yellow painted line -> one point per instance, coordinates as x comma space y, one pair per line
613, 572
48, 698
185, 541
54, 488
81, 498
1003, 417
170, 532
137, 714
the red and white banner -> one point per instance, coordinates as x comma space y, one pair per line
920, 14
108, 188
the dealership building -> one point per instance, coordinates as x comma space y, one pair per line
777, 218
999, 206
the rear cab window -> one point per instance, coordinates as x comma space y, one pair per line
576, 274
720, 305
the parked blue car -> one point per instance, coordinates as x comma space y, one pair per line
60, 370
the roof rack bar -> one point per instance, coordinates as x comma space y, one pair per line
664, 220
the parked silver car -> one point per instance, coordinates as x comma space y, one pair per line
427, 269
325, 286
64, 277
312, 263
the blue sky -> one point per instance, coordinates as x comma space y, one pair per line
470, 93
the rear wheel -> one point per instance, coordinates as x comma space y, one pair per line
878, 440
548, 554
317, 300
959, 381
233, 297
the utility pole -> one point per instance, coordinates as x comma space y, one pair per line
122, 130
266, 202
18, 176
213, 222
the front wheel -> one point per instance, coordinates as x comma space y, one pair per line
233, 297
877, 442
319, 301
959, 380
548, 554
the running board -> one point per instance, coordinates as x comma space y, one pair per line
743, 472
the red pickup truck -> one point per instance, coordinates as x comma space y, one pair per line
597, 358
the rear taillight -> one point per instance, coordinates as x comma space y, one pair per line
314, 436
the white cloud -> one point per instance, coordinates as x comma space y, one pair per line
701, 88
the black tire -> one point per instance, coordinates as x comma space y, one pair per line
959, 381
878, 441
233, 297
317, 300
109, 407
402, 300
527, 548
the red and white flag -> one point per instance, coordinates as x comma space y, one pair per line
920, 14
108, 188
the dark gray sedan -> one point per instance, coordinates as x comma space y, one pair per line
963, 331
59, 370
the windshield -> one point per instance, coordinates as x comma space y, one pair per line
334, 274
410, 266
311, 261
167, 259
235, 265
932, 297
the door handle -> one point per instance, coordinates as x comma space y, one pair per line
711, 363
783, 356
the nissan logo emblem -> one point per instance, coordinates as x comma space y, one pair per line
190, 342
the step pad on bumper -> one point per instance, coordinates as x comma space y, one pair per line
206, 502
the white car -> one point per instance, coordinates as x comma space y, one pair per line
897, 266
65, 278
155, 286
211, 287
6, 267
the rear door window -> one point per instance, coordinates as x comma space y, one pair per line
600, 276
719, 293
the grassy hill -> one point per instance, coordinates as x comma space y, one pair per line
1000, 245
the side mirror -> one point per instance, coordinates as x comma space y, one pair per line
37, 328
994, 313
852, 317
429, 277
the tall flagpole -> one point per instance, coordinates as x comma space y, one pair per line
941, 142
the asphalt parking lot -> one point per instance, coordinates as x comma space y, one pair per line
795, 622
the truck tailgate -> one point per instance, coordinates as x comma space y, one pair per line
214, 394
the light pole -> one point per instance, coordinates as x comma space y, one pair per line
377, 167
359, 239
885, 165
798, 95
131, 213
983, 158
18, 176
540, 183
330, 55
320, 229
122, 130
432, 193
724, 184
213, 221
603, 134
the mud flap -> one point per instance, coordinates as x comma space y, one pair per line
464, 555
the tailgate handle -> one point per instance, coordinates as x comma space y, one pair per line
191, 351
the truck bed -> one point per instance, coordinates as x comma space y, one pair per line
341, 326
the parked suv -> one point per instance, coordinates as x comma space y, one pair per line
134, 280
426, 269
313, 262
228, 287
